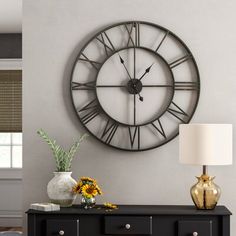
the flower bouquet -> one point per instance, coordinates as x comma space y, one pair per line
89, 189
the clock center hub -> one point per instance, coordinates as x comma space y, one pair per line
134, 86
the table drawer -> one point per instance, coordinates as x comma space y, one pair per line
62, 227
133, 225
195, 228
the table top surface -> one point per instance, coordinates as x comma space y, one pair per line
137, 210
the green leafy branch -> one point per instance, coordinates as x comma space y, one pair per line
62, 157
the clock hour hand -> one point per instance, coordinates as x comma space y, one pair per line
123, 63
146, 71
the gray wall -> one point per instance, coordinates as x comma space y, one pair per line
54, 30
11, 197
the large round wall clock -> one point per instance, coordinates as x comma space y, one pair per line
133, 83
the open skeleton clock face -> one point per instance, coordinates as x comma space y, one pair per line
133, 83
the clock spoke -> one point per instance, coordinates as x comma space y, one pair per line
157, 86
134, 109
134, 63
111, 86
91, 86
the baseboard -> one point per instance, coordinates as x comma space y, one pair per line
10, 219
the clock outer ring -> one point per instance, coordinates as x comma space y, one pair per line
155, 26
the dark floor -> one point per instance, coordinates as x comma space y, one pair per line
10, 229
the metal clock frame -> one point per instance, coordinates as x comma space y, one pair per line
168, 32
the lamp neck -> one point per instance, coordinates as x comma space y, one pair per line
204, 170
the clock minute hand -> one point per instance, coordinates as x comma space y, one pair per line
123, 63
146, 71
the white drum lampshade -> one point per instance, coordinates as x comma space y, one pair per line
205, 144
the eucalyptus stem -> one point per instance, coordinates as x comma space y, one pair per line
62, 157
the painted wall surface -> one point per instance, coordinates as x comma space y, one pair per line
54, 31
11, 202
10, 16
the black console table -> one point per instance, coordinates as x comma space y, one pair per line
131, 220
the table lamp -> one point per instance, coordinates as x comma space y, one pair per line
205, 144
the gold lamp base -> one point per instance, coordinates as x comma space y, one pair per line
205, 193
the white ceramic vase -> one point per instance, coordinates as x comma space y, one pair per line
59, 189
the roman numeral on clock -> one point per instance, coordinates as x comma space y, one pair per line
177, 112
95, 64
83, 86
159, 128
187, 86
133, 34
106, 42
89, 111
109, 131
180, 61
164, 37
134, 136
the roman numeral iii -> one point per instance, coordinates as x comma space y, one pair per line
187, 86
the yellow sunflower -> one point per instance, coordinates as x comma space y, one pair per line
77, 187
89, 191
88, 179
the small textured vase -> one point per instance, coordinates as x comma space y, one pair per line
88, 203
59, 189
205, 193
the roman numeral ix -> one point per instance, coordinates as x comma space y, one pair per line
83, 86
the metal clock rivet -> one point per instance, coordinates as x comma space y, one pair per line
195, 233
61, 232
127, 226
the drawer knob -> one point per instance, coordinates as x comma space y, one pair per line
127, 226
195, 233
61, 232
